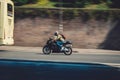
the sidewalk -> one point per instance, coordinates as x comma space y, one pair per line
75, 50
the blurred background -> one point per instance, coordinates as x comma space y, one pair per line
89, 24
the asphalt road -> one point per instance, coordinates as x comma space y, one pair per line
29, 63
81, 56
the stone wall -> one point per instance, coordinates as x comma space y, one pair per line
34, 31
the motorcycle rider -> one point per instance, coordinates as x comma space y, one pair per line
59, 40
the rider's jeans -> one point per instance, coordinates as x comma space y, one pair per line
60, 43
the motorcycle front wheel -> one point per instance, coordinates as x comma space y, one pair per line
46, 50
68, 51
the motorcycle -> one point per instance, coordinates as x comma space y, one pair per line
52, 47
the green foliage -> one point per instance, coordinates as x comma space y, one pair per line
20, 2
23, 2
69, 3
80, 3
102, 6
68, 14
43, 2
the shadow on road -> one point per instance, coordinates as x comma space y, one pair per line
3, 50
50, 54
46, 70
56, 53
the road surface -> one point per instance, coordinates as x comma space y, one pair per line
79, 55
29, 63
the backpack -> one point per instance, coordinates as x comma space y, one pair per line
63, 36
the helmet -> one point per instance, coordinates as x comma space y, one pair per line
56, 33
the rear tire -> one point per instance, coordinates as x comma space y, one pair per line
46, 50
69, 51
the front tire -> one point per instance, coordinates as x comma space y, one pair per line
68, 51
46, 50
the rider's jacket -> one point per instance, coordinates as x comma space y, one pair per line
59, 38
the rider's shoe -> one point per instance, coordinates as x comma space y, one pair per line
65, 49
62, 49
